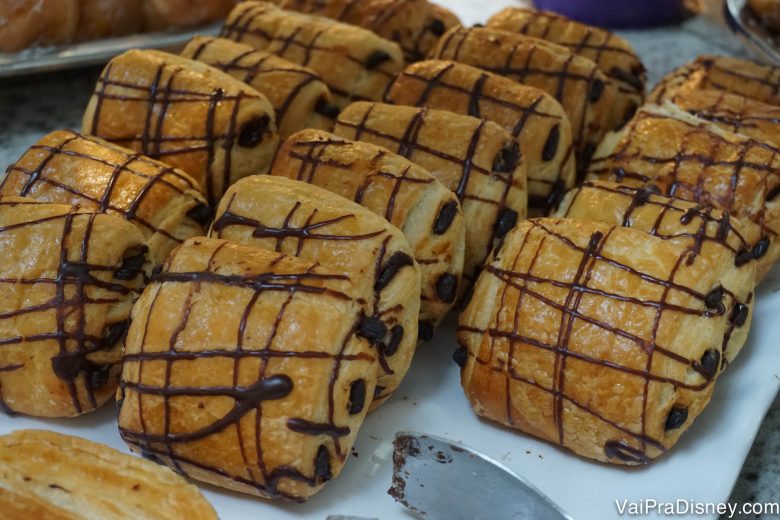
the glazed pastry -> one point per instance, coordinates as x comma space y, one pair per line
108, 18
65, 306
192, 116
355, 63
311, 223
243, 368
164, 203
299, 96
569, 311
475, 158
51, 476
165, 14
704, 231
612, 54
529, 114
592, 102
768, 11
694, 160
24, 23
408, 196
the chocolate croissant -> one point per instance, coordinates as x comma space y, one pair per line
192, 116
244, 368
164, 203
302, 220
529, 114
475, 158
691, 159
706, 232
69, 279
355, 63
299, 96
405, 194
597, 338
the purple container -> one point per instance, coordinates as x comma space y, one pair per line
617, 13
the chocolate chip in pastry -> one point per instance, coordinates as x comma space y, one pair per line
597, 338
405, 194
689, 158
108, 18
51, 476
244, 368
355, 63
166, 14
69, 279
529, 114
302, 220
37, 22
704, 231
475, 158
166, 204
190, 115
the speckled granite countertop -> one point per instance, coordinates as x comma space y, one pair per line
31, 107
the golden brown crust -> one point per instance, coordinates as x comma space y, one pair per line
192, 116
53, 476
476, 159
704, 231
355, 63
107, 18
768, 11
24, 23
64, 167
692, 159
302, 220
65, 307
163, 14
299, 96
529, 114
593, 337
224, 380
408, 196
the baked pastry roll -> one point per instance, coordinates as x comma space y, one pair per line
592, 101
704, 231
768, 11
244, 368
355, 63
51, 476
568, 313
107, 18
37, 22
166, 204
612, 54
691, 159
166, 14
475, 158
299, 96
529, 114
406, 195
192, 116
311, 223
68, 279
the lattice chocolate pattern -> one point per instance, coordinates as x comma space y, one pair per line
166, 204
691, 159
355, 63
408, 196
529, 114
65, 306
302, 220
224, 381
194, 117
601, 339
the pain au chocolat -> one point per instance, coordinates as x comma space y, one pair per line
692, 159
594, 337
190, 115
302, 220
355, 63
51, 476
705, 231
166, 204
299, 96
69, 279
244, 368
532, 116
405, 194
475, 158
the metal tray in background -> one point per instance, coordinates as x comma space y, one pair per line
751, 31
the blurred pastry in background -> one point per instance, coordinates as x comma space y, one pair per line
767, 12
107, 18
164, 14
25, 23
